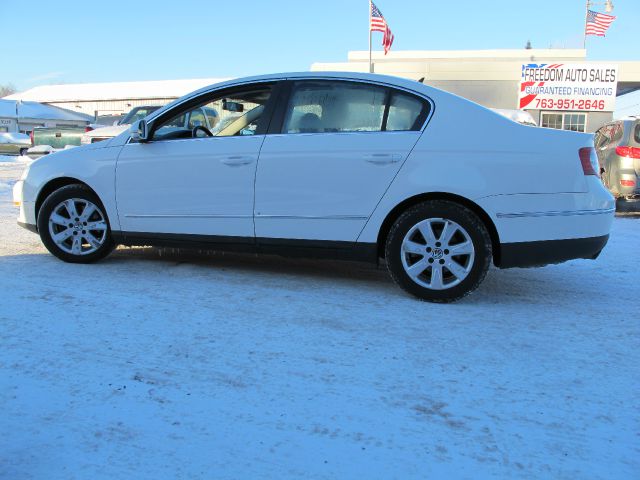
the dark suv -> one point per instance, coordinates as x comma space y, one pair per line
618, 148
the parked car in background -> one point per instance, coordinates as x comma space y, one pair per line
58, 137
135, 114
618, 148
13, 143
109, 120
336, 165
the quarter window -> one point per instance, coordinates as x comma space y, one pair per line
636, 134
406, 112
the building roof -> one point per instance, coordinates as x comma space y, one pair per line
87, 92
33, 110
558, 54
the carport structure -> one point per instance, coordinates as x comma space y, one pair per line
19, 116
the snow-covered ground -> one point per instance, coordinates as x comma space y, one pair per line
208, 366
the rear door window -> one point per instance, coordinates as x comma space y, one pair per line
324, 106
333, 107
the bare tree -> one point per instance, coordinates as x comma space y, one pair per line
7, 89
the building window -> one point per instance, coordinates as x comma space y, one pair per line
552, 120
565, 121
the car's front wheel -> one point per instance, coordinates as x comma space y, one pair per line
73, 225
438, 251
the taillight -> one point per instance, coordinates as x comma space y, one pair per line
624, 151
627, 183
31, 137
88, 129
589, 160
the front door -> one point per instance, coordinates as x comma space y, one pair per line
196, 174
340, 146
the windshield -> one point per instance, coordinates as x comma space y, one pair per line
137, 113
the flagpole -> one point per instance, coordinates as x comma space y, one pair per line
369, 27
586, 18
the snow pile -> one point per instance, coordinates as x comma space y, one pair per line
15, 158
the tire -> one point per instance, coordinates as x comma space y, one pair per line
75, 244
453, 228
23, 151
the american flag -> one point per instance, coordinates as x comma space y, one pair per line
598, 23
379, 24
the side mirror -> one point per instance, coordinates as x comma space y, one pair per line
138, 131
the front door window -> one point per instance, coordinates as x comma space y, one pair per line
236, 113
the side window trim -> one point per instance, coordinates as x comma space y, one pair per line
388, 94
286, 88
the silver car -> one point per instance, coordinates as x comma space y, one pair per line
618, 148
13, 143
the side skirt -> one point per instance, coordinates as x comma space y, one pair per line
285, 247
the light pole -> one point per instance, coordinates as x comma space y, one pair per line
608, 7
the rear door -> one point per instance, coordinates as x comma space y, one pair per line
339, 146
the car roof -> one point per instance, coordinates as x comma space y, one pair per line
411, 85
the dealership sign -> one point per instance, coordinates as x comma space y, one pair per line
568, 86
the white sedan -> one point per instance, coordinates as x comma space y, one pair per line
339, 165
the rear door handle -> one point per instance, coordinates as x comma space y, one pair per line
236, 160
382, 158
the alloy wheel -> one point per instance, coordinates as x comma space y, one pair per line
78, 226
437, 253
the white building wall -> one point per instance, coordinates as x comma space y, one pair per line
488, 77
110, 107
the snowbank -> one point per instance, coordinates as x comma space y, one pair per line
15, 158
235, 366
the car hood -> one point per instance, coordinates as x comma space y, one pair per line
112, 131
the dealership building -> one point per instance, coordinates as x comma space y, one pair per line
583, 99
560, 88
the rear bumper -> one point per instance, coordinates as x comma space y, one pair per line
628, 205
535, 254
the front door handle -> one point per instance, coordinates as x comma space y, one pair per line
236, 160
382, 158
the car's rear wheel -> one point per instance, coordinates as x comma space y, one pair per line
438, 251
73, 225
23, 151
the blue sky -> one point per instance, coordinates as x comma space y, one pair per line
73, 41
